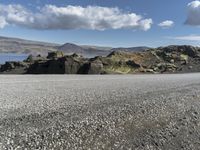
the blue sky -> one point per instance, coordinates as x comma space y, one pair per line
158, 11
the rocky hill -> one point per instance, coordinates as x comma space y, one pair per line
171, 59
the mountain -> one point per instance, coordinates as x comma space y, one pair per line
86, 51
92, 51
15, 45
96, 47
21, 46
68, 47
131, 49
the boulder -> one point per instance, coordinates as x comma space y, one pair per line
133, 64
95, 67
55, 55
184, 59
75, 55
190, 67
29, 59
166, 67
32, 59
73, 66
13, 65
172, 61
149, 71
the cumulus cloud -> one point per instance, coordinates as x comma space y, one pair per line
193, 13
166, 24
187, 38
3, 22
72, 17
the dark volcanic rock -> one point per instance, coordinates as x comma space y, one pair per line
184, 49
12, 65
171, 59
95, 67
133, 64
73, 65
32, 59
47, 67
165, 67
54, 55
64, 65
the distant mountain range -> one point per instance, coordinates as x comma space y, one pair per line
131, 49
15, 45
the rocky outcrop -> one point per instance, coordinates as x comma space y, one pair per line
8, 66
171, 59
164, 67
55, 55
58, 65
184, 49
33, 59
94, 67
133, 64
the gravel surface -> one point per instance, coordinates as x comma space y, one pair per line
60, 112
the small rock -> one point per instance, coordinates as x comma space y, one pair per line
190, 67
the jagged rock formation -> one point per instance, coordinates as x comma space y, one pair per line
171, 59
57, 64
178, 58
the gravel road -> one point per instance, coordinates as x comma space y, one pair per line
61, 112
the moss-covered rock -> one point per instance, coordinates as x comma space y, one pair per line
54, 55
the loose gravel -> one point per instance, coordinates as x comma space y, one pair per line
60, 112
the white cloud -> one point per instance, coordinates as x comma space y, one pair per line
72, 17
187, 38
166, 24
3, 22
193, 13
146, 24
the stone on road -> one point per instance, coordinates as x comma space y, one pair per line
100, 112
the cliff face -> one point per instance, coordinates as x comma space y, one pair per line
171, 59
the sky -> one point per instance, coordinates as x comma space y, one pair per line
113, 23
